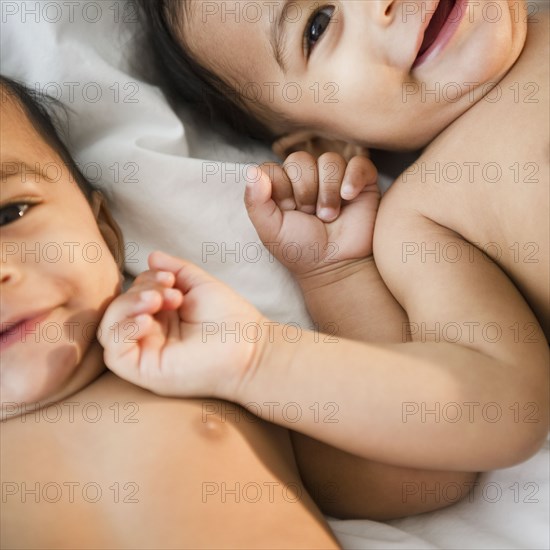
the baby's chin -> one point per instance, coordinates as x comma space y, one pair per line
38, 383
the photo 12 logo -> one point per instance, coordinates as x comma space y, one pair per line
70, 11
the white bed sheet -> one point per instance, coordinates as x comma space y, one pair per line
166, 194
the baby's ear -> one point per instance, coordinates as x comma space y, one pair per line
108, 227
315, 145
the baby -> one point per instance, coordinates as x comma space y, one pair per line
454, 313
57, 269
75, 470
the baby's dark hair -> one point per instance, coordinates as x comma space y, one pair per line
185, 80
40, 110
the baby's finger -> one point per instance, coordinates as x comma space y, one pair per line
281, 191
127, 306
360, 173
149, 281
123, 335
173, 298
188, 275
164, 278
301, 169
332, 168
122, 345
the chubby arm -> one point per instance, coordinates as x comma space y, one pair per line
352, 301
488, 393
487, 388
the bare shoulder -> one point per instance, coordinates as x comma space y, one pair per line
484, 181
538, 46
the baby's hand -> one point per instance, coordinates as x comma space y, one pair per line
171, 332
312, 214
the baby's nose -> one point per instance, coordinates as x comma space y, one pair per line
9, 273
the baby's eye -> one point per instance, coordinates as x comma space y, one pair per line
316, 26
12, 212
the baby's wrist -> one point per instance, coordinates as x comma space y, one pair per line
255, 337
269, 361
329, 274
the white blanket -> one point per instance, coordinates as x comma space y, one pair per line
167, 194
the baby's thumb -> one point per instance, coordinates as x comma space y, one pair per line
262, 209
258, 189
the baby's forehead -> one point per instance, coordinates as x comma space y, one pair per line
231, 39
26, 157
18, 136
237, 11
226, 14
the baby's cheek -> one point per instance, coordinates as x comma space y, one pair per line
38, 372
94, 285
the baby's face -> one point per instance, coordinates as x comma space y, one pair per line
57, 273
350, 69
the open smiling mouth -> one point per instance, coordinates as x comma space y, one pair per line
436, 25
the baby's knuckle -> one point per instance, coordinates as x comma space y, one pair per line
303, 197
360, 171
140, 278
331, 198
299, 157
365, 164
331, 158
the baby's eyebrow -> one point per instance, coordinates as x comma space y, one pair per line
278, 36
14, 167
